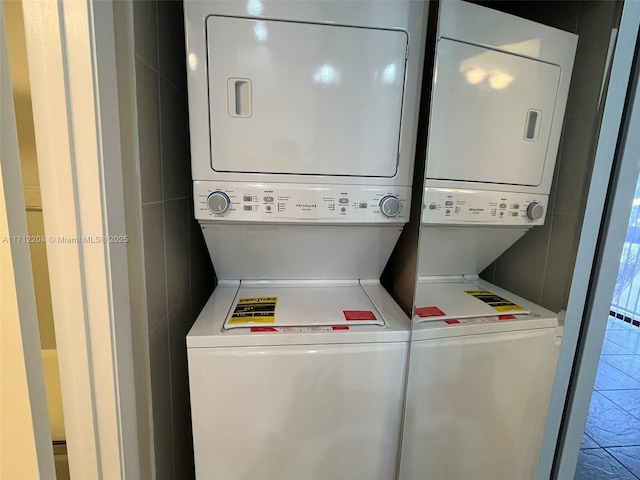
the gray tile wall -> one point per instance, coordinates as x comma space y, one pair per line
178, 273
540, 266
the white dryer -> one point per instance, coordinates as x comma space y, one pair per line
303, 121
483, 360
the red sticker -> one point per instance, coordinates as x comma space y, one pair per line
506, 317
263, 329
452, 321
340, 327
424, 312
359, 315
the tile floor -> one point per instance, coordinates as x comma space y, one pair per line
611, 443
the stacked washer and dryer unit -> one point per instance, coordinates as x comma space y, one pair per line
303, 120
482, 359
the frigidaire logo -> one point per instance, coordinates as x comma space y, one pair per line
306, 205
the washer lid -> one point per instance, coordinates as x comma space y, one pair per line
456, 300
272, 307
208, 331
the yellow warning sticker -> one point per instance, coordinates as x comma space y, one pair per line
507, 308
498, 303
255, 310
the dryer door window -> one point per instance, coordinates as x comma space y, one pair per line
301, 98
491, 115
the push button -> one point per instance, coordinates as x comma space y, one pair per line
247, 198
268, 199
343, 200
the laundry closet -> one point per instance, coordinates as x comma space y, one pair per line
301, 199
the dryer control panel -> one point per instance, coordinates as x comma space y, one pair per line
262, 202
459, 207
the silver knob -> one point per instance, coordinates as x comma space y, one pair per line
218, 202
390, 206
535, 211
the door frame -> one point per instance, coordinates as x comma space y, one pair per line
615, 174
72, 65
25, 439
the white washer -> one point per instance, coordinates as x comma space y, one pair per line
478, 389
482, 360
303, 123
313, 401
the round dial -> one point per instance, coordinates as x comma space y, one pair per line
390, 206
218, 202
535, 211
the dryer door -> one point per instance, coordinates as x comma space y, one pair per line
301, 98
491, 116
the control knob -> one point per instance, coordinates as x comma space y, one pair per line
535, 211
218, 202
390, 206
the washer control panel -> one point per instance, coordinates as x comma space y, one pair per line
235, 201
454, 206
